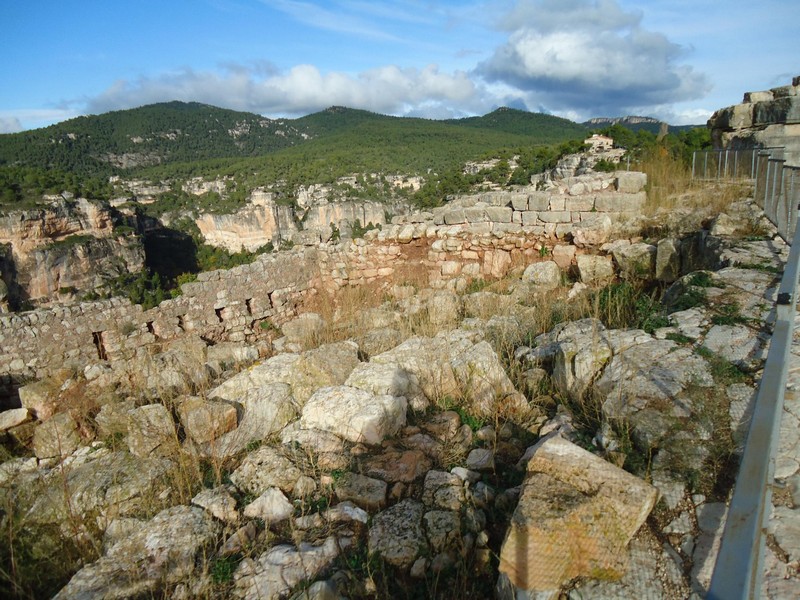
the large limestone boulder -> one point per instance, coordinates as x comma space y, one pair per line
151, 430
636, 261
381, 379
592, 232
456, 365
592, 268
265, 409
575, 517
281, 568
205, 420
486, 388
396, 534
176, 371
737, 344
264, 468
578, 351
427, 360
545, 275
40, 398
444, 308
56, 437
170, 545
648, 386
327, 365
354, 414
668, 260
106, 483
630, 182
13, 417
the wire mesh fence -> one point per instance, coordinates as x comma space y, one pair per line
777, 186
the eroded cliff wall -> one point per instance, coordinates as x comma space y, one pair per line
65, 247
765, 119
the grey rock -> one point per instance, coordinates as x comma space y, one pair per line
56, 437
636, 261
443, 490
169, 544
565, 489
13, 417
264, 468
443, 528
366, 492
265, 409
271, 507
114, 483
737, 344
219, 503
281, 568
480, 459
546, 275
668, 260
354, 414
594, 268
397, 535
151, 430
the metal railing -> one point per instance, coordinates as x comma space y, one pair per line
777, 185
724, 164
777, 191
739, 568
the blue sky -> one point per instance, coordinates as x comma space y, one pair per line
678, 60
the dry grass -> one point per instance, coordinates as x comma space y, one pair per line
670, 186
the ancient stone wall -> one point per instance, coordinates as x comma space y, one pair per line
480, 236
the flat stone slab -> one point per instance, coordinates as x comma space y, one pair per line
575, 517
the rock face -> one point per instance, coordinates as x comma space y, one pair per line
67, 248
263, 222
763, 120
575, 517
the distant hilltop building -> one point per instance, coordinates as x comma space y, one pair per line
599, 143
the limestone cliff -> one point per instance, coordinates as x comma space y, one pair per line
763, 120
78, 265
66, 246
263, 221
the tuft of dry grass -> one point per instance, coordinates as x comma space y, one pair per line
670, 186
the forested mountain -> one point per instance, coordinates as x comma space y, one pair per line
547, 128
155, 134
178, 132
175, 141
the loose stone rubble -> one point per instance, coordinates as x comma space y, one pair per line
252, 466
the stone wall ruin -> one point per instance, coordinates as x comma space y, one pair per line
476, 236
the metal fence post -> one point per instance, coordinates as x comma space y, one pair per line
738, 571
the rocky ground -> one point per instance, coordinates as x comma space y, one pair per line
559, 438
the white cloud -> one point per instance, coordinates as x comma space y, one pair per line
10, 125
589, 57
12, 120
300, 90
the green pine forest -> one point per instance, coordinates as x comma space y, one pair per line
175, 141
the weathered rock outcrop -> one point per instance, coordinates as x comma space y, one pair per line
64, 248
766, 119
263, 221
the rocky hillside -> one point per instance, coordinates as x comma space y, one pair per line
399, 438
